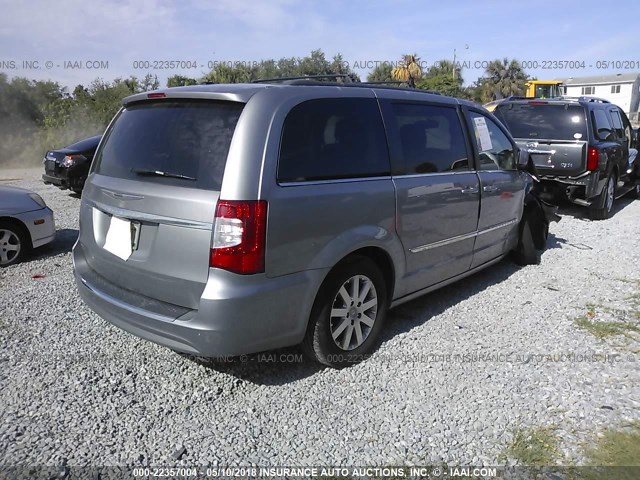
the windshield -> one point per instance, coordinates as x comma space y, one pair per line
545, 91
183, 139
544, 121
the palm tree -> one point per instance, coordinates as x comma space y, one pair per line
383, 72
409, 70
505, 78
443, 68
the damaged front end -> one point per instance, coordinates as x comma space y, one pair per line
539, 212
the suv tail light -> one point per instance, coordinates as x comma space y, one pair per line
593, 156
239, 236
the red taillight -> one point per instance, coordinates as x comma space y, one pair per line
593, 156
156, 95
239, 236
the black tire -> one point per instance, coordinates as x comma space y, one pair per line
602, 206
319, 343
526, 252
14, 243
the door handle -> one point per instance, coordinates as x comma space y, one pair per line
469, 190
489, 188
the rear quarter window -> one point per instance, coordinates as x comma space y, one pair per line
601, 125
616, 121
186, 137
333, 138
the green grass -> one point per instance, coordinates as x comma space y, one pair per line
614, 448
540, 447
534, 446
634, 300
611, 328
603, 329
620, 447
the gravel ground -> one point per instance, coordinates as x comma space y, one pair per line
76, 390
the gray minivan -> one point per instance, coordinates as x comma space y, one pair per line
221, 220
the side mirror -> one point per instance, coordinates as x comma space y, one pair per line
523, 158
525, 162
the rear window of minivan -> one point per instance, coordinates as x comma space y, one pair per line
172, 142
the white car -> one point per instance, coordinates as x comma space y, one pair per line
25, 223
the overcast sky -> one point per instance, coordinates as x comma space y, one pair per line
122, 32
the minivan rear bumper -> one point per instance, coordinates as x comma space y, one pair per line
237, 314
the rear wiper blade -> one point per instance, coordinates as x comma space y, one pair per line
159, 173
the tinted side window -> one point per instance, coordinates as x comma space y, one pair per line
430, 138
617, 123
601, 125
495, 150
628, 130
333, 138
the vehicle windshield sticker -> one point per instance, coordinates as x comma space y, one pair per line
577, 136
482, 134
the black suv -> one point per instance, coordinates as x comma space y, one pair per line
580, 147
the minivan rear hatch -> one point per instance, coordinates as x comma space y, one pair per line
554, 133
148, 207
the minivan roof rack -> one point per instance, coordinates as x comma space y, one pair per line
386, 82
313, 81
350, 77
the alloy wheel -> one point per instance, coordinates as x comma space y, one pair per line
9, 246
610, 193
353, 312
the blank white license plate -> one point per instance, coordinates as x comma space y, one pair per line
119, 238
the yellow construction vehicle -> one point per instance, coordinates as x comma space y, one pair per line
544, 88
535, 89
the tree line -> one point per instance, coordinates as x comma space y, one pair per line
40, 115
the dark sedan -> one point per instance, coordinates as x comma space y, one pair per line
68, 167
